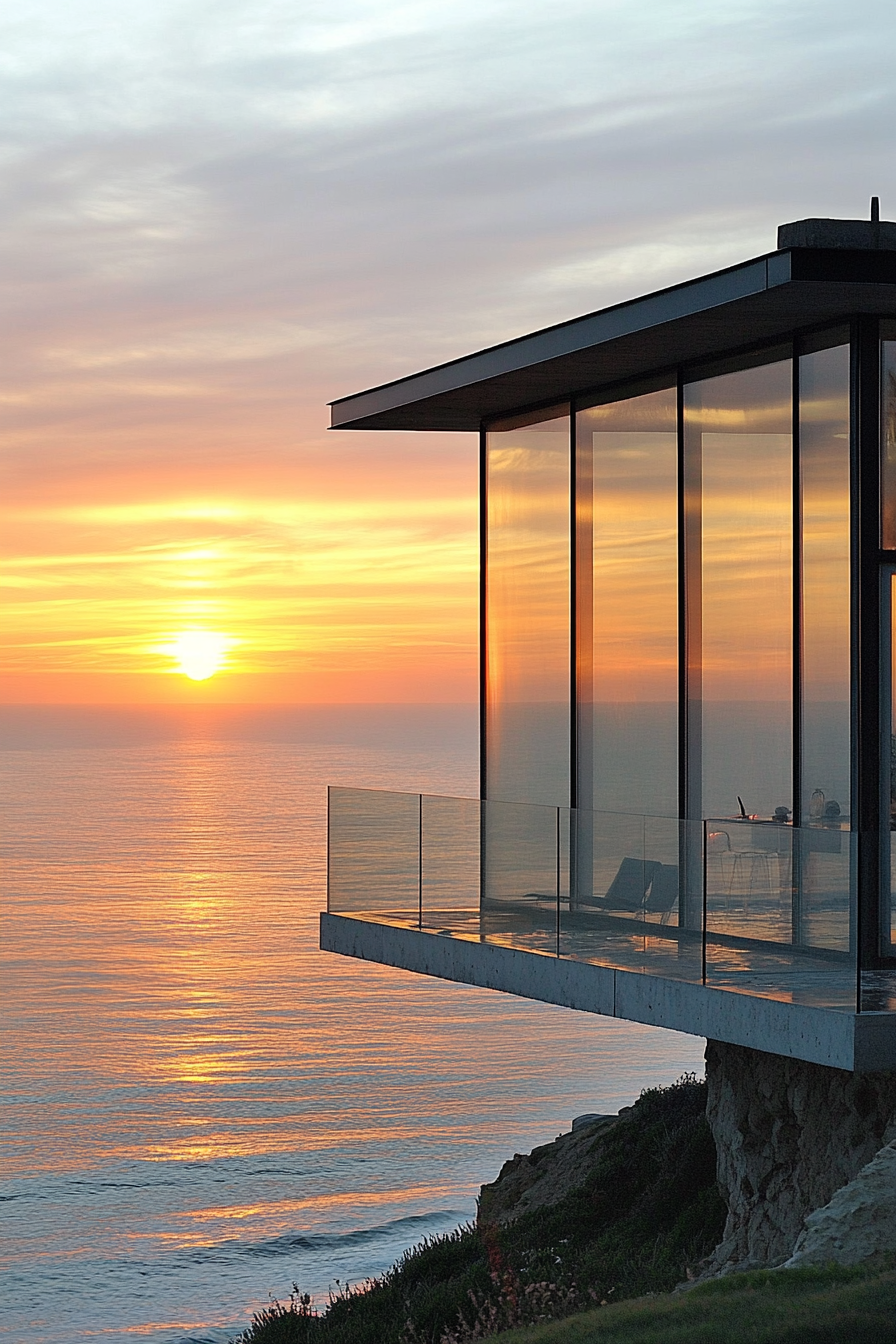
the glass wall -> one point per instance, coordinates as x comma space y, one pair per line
888, 541
739, 519
889, 765
888, 444
627, 605
528, 591
764, 569
825, 583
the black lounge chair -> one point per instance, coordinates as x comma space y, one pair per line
640, 885
663, 889
628, 890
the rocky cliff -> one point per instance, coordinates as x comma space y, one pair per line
540, 1179
788, 1135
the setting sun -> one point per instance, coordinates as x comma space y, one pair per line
200, 653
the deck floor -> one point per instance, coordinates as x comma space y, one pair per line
822, 978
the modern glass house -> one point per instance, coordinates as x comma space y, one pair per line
688, 524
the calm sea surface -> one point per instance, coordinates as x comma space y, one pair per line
199, 1106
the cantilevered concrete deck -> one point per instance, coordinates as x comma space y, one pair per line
842, 1039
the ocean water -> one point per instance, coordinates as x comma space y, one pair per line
200, 1107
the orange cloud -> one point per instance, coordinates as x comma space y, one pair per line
358, 582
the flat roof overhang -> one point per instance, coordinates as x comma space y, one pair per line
746, 305
856, 1042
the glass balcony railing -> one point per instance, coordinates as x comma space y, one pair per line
742, 905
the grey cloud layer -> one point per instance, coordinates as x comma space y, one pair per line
227, 201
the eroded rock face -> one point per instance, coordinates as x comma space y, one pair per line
788, 1135
860, 1220
543, 1177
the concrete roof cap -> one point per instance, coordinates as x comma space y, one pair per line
855, 234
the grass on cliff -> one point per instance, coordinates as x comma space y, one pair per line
647, 1210
829, 1305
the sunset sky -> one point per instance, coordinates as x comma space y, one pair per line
218, 217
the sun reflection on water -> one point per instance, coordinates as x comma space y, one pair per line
194, 1080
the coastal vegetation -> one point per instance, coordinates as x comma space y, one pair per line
829, 1305
641, 1214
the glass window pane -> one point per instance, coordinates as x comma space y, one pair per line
891, 764
528, 612
825, 672
888, 444
739, 507
374, 855
525, 874
450, 864
627, 507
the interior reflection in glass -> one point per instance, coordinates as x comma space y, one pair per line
627, 517
528, 601
740, 623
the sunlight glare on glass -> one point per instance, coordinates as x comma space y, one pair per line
200, 653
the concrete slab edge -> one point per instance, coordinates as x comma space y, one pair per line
841, 1040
